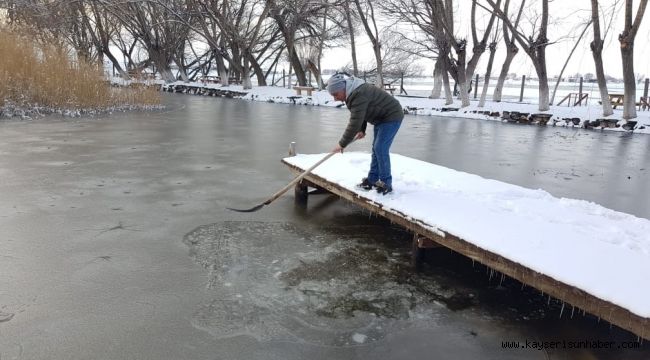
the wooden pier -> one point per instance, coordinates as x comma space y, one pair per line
428, 236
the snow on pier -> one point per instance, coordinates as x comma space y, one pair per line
588, 256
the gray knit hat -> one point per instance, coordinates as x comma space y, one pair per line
336, 83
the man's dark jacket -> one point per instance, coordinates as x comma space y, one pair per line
369, 104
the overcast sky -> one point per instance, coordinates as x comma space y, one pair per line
567, 21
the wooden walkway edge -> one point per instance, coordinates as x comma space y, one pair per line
571, 295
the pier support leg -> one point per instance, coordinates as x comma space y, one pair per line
417, 253
301, 192
419, 248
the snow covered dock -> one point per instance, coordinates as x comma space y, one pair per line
592, 258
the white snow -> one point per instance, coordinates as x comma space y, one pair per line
603, 252
359, 338
426, 106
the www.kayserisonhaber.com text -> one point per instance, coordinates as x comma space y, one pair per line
567, 344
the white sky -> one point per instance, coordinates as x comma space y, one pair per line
565, 20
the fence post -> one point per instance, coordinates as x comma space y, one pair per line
580, 92
364, 76
284, 79
523, 84
645, 89
476, 87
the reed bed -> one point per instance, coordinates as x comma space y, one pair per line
36, 76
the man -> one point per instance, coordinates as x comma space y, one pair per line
369, 104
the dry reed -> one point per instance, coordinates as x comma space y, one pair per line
38, 76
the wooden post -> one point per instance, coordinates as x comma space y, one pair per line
523, 84
309, 78
364, 76
292, 148
401, 83
580, 92
284, 79
645, 89
476, 87
417, 253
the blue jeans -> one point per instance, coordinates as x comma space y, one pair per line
384, 134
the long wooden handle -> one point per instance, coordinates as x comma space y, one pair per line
295, 181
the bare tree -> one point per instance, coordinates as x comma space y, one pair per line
534, 46
511, 51
566, 62
488, 71
369, 21
597, 52
296, 20
353, 47
479, 46
155, 27
431, 18
626, 39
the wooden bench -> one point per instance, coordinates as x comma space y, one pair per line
389, 88
308, 89
209, 79
616, 100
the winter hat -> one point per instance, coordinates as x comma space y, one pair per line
336, 83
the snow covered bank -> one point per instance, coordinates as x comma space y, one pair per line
9, 111
585, 116
582, 244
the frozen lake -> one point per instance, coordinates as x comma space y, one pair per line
116, 242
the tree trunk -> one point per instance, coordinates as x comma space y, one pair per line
380, 76
511, 50
297, 67
162, 64
181, 70
461, 73
488, 72
221, 68
449, 98
629, 81
116, 64
259, 72
353, 49
437, 80
314, 69
540, 68
245, 76
627, 55
597, 51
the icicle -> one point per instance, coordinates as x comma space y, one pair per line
501, 282
562, 309
549, 300
522, 286
491, 273
473, 262
572, 309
